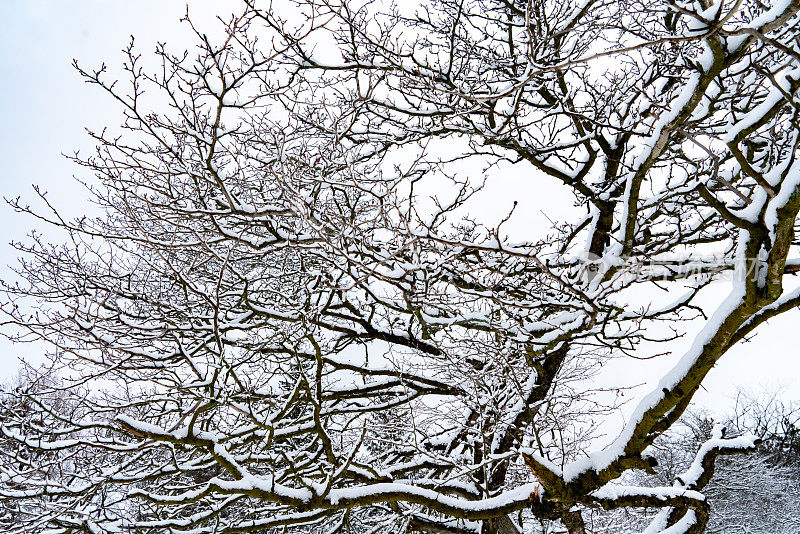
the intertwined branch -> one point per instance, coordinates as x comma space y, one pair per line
294, 313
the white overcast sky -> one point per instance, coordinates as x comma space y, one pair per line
44, 107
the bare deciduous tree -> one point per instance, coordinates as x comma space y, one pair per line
749, 493
293, 315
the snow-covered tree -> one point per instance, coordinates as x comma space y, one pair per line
757, 493
749, 493
296, 310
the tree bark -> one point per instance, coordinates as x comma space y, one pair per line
574, 522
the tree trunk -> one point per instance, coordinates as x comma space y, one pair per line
574, 522
500, 525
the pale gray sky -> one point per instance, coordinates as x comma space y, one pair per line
44, 106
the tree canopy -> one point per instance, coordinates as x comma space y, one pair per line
294, 314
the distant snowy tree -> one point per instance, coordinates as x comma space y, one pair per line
296, 311
759, 493
753, 493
